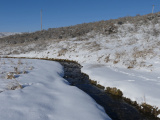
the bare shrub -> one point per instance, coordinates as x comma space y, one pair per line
100, 86
111, 28
148, 109
62, 52
14, 85
131, 64
114, 91
101, 27
115, 62
24, 72
15, 52
16, 71
107, 59
92, 46
93, 82
142, 53
117, 55
10, 76
155, 32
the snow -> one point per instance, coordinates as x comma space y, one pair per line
133, 46
138, 85
4, 34
45, 94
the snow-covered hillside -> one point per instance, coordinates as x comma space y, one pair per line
134, 45
4, 34
138, 85
131, 47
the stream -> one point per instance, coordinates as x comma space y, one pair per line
115, 107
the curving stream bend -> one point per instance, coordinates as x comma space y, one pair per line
115, 107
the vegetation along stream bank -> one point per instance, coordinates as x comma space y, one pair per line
116, 106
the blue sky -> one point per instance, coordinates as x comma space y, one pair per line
24, 15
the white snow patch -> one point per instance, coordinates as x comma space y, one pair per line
140, 86
45, 96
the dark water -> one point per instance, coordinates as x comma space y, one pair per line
115, 107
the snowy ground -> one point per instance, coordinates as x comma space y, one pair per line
133, 46
45, 94
140, 86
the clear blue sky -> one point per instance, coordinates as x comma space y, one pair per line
24, 15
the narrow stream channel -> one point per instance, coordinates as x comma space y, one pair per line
115, 107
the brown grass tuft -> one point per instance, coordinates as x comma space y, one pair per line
114, 91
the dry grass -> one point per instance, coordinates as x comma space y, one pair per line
142, 53
102, 27
100, 86
148, 109
144, 107
62, 52
14, 85
93, 82
107, 58
10, 76
114, 91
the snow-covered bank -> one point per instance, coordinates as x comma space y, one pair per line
46, 95
140, 86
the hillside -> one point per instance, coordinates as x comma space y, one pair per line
122, 53
131, 42
4, 34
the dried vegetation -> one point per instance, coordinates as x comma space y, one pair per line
103, 27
